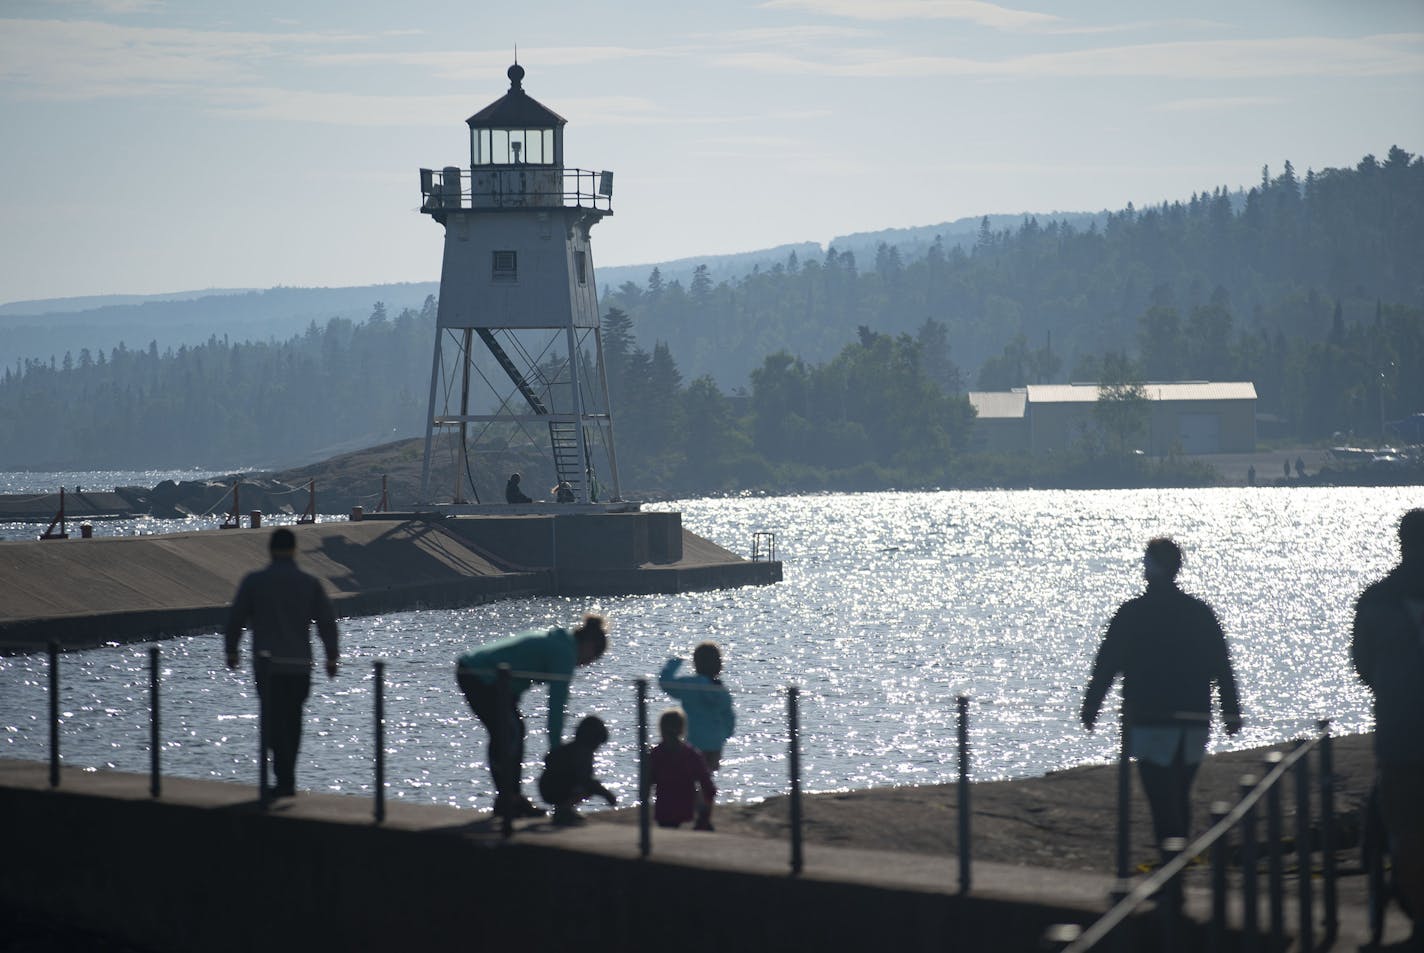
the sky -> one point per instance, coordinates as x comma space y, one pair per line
149, 146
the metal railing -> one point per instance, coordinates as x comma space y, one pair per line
513, 187
503, 677
1165, 883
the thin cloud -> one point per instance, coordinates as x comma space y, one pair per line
973, 11
1178, 26
116, 7
340, 109
77, 60
1385, 55
1212, 104
467, 65
782, 35
355, 109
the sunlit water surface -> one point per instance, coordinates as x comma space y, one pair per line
892, 604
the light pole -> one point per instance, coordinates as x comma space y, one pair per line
1381, 400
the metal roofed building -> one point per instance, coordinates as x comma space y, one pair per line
1001, 425
1190, 417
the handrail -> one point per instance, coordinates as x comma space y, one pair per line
1164, 875
503, 676
537, 187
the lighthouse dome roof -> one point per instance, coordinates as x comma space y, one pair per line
515, 108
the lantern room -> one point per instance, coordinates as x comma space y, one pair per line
516, 130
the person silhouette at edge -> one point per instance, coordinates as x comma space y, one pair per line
1169, 648
1387, 649
279, 603
512, 492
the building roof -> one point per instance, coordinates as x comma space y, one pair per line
998, 404
516, 109
1154, 390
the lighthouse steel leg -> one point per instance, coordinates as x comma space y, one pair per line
466, 359
578, 414
608, 413
430, 418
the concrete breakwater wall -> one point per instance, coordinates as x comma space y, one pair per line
90, 591
167, 500
205, 867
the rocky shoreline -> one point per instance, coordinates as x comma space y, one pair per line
393, 472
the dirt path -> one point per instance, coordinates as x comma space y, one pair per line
1065, 820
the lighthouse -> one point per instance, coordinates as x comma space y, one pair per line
518, 360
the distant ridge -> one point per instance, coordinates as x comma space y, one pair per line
38, 306
39, 329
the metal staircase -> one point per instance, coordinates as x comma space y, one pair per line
520, 381
569, 465
568, 462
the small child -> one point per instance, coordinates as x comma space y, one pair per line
708, 704
683, 784
568, 772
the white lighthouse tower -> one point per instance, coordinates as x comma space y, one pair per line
518, 276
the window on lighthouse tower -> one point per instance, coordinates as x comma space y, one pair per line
513, 147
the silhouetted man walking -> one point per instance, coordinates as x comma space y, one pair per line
1387, 647
1169, 648
279, 603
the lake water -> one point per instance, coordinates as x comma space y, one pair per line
892, 604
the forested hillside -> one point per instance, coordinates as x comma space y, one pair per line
222, 403
1297, 246
819, 373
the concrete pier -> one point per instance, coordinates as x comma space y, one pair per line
205, 867
84, 592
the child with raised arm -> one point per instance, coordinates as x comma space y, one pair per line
568, 772
679, 776
708, 704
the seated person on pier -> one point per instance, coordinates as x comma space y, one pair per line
563, 493
512, 492
682, 785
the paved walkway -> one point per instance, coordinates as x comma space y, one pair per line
1069, 895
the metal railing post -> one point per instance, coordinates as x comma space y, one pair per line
1171, 896
794, 760
1250, 901
53, 714
261, 664
378, 671
155, 783
504, 700
1306, 938
1216, 938
962, 703
1275, 874
645, 828
1124, 808
1327, 832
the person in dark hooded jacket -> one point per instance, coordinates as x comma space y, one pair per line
1170, 650
512, 491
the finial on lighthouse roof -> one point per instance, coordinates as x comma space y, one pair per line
516, 76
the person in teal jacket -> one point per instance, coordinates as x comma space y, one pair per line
548, 657
705, 700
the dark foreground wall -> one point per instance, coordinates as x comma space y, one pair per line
193, 871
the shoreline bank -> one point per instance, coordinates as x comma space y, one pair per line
1064, 820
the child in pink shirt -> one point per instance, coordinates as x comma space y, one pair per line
678, 771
